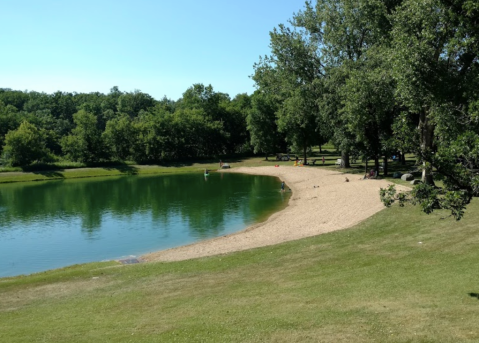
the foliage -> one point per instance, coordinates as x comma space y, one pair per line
24, 145
292, 75
84, 144
116, 125
119, 137
387, 195
429, 198
262, 126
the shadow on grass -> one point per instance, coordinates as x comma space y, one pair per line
50, 173
474, 295
189, 163
393, 167
51, 170
124, 168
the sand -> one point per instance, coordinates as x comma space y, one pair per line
322, 201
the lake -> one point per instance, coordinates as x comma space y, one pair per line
53, 224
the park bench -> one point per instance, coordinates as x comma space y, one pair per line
338, 162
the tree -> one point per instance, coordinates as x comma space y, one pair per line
348, 34
195, 135
203, 97
133, 103
24, 145
435, 63
14, 98
84, 144
119, 136
261, 124
234, 123
9, 120
436, 66
369, 107
291, 76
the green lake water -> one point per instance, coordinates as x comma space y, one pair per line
59, 223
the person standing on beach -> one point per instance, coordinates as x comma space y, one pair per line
323, 160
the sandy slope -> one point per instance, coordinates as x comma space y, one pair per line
333, 204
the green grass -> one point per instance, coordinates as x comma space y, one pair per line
400, 276
69, 170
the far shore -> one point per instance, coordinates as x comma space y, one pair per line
323, 200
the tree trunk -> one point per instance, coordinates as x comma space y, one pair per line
403, 158
376, 164
320, 151
426, 129
385, 170
366, 172
266, 155
345, 160
305, 158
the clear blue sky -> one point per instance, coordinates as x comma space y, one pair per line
160, 47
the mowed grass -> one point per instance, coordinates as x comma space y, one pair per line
400, 276
71, 170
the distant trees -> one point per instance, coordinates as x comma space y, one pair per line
84, 143
119, 137
25, 145
123, 126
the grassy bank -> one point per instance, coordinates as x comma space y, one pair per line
77, 170
400, 276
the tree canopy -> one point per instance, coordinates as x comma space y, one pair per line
121, 126
384, 77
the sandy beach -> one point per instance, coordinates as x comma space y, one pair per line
322, 201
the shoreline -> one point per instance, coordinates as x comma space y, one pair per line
322, 201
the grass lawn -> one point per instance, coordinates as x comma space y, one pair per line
400, 276
69, 170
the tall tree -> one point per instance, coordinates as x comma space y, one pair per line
261, 121
435, 55
369, 107
291, 74
234, 123
352, 36
436, 65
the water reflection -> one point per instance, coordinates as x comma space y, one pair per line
120, 216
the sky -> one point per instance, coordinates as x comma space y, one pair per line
160, 47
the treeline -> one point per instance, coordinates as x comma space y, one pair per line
93, 127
